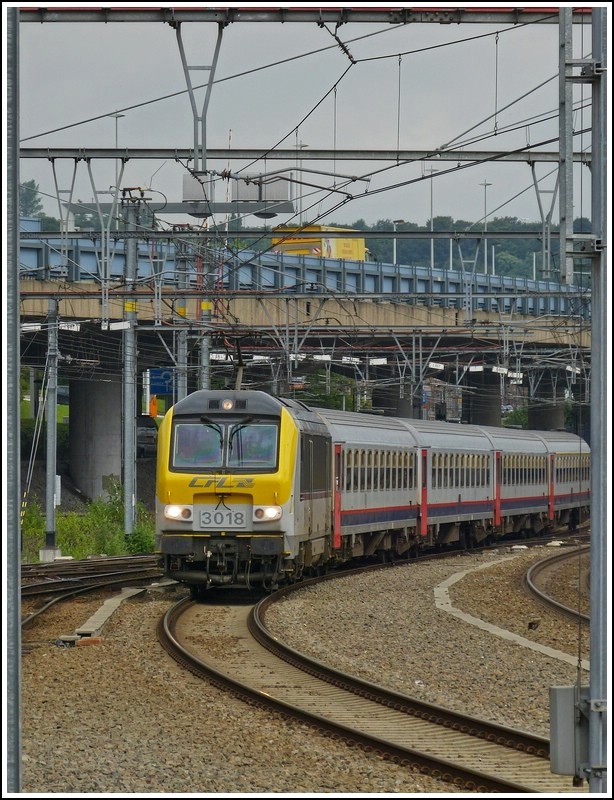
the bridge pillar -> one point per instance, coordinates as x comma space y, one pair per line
580, 422
546, 411
388, 401
482, 399
95, 435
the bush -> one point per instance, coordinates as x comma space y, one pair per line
100, 530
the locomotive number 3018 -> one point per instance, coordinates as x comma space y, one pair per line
223, 518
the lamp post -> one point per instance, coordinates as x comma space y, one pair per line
117, 116
395, 222
431, 170
300, 146
485, 185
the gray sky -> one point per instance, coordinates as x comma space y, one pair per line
418, 86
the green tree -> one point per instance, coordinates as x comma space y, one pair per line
50, 224
30, 204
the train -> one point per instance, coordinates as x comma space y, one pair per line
254, 490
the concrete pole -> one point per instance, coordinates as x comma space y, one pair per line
129, 375
431, 170
13, 415
485, 184
49, 552
600, 529
395, 222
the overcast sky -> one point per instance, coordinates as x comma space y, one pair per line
420, 86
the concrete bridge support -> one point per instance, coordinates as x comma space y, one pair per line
482, 398
387, 400
95, 435
546, 411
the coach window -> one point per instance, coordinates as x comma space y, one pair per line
357, 471
362, 462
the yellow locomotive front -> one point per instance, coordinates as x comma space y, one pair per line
224, 490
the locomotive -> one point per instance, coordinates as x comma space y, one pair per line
254, 490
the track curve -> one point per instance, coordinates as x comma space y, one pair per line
234, 649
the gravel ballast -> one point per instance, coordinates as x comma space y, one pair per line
120, 716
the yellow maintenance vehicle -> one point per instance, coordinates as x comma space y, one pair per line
312, 240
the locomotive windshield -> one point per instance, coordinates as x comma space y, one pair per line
201, 445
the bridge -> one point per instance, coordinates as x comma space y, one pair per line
205, 313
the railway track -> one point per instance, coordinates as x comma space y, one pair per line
542, 572
44, 585
65, 577
231, 646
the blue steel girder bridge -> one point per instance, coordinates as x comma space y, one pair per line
206, 312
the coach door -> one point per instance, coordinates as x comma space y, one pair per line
337, 483
315, 482
424, 516
497, 488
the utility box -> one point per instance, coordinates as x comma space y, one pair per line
569, 730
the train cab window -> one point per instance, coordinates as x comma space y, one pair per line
252, 445
197, 446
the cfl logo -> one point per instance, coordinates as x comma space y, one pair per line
223, 482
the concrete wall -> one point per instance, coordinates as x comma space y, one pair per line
95, 431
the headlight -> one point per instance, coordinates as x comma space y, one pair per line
267, 513
178, 513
